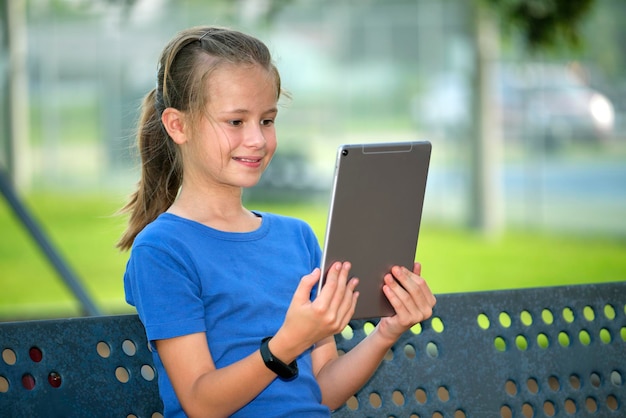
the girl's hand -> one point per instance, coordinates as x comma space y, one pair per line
411, 298
308, 322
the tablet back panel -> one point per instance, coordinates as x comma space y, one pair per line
375, 214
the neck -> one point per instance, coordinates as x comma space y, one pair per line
222, 210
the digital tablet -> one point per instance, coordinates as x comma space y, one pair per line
375, 215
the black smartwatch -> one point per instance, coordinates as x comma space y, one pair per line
284, 371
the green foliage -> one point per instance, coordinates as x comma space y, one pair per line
544, 24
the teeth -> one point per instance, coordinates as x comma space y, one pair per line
247, 160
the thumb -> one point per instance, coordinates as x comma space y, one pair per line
303, 292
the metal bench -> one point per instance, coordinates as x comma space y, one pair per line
545, 352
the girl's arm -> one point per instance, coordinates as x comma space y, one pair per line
341, 377
204, 390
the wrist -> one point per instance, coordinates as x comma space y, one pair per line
286, 371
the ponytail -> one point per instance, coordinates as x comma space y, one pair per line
161, 172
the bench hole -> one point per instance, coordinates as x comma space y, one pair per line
564, 339
622, 333
547, 317
611, 403
532, 385
131, 416
432, 350
147, 372
584, 337
129, 348
28, 381
589, 313
388, 355
499, 343
35, 354
505, 319
4, 384
375, 400
505, 412
421, 396
609, 312
157, 415
347, 333
443, 394
409, 351
55, 379
368, 327
437, 414
510, 387
416, 329
459, 413
122, 375
574, 382
9, 357
542, 340
397, 397
353, 403
553, 383
595, 380
568, 315
548, 408
570, 406
483, 321
616, 378
605, 336
591, 404
103, 349
527, 410
526, 318
521, 342
437, 324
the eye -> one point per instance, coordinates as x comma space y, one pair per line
235, 122
267, 122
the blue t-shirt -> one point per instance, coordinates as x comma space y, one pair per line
184, 277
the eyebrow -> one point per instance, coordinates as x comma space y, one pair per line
244, 111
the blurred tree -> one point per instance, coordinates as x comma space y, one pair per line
543, 24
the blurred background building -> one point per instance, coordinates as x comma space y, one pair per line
526, 137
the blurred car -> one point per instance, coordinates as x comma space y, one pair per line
552, 106
547, 105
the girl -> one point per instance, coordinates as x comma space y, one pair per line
227, 294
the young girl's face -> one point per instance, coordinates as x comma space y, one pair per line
236, 140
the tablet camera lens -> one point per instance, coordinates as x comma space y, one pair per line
344, 152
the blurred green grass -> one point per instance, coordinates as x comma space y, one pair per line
84, 229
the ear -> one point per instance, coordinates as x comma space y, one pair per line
174, 122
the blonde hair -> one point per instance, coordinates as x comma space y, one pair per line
185, 66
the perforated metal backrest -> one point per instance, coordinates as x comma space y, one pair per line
552, 352
82, 367
558, 351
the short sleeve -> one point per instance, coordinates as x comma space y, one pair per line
165, 292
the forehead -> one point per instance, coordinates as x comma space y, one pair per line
241, 80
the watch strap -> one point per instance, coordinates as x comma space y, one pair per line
283, 370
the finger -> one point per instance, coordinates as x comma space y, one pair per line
348, 304
343, 272
417, 268
411, 294
305, 287
329, 288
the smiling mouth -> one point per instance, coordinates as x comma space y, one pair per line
247, 160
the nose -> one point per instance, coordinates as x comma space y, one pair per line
255, 137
